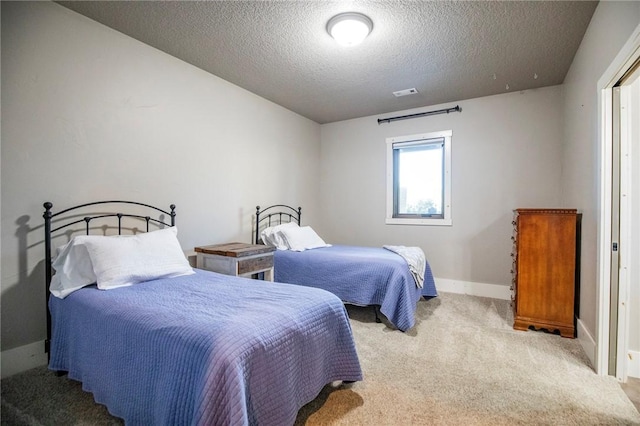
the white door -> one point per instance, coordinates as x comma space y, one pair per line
627, 324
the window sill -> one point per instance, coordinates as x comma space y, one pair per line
428, 222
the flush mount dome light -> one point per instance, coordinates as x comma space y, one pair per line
350, 28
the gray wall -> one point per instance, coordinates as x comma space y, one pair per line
610, 28
90, 114
506, 152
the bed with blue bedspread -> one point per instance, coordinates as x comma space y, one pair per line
190, 347
365, 276
203, 349
360, 276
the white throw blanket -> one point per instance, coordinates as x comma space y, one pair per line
415, 259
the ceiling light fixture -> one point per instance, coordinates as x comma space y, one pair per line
349, 28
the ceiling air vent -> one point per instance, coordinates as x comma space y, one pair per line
405, 92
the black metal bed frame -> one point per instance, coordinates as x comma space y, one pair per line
49, 217
284, 211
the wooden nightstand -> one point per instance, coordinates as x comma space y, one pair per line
238, 259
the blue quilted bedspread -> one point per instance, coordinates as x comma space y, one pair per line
204, 349
360, 276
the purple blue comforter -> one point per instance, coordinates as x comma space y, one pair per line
360, 276
204, 349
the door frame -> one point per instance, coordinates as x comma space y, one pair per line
627, 56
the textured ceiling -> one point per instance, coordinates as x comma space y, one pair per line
280, 50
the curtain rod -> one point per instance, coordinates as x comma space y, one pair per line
420, 114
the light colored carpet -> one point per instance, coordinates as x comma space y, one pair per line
462, 364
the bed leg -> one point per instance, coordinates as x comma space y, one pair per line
375, 311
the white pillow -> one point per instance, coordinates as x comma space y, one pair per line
302, 238
73, 269
272, 236
120, 262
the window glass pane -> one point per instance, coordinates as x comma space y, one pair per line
419, 179
419, 187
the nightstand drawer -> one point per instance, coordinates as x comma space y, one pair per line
247, 266
238, 259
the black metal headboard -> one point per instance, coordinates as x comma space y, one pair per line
70, 218
275, 215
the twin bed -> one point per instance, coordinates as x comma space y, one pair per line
365, 276
159, 343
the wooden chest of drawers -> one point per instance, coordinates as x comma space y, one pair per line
546, 269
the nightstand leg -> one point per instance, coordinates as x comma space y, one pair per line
268, 275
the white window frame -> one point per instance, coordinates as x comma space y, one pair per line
446, 220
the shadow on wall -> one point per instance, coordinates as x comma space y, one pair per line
23, 302
22, 305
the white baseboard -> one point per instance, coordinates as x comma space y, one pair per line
587, 341
22, 358
495, 291
633, 364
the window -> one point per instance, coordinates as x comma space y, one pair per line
419, 179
